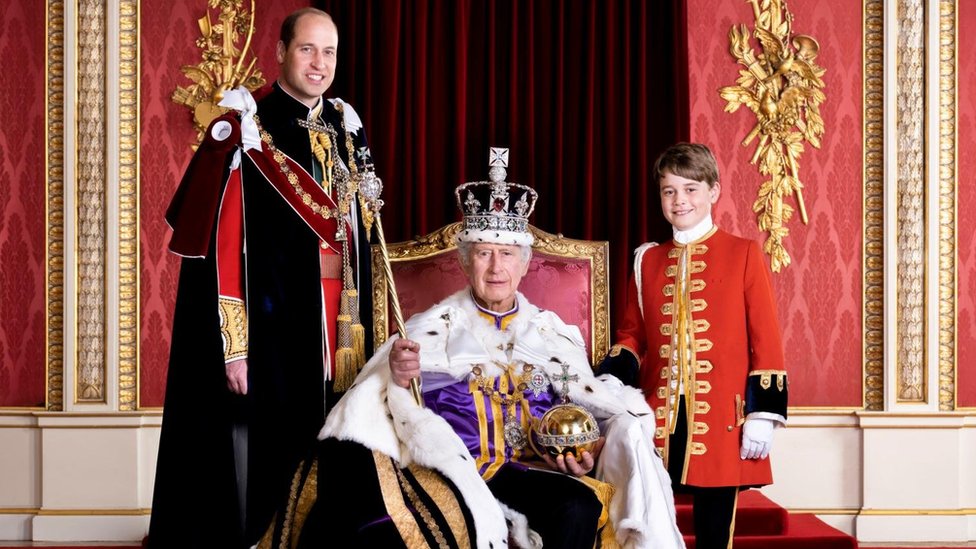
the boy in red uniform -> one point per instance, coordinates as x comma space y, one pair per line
701, 338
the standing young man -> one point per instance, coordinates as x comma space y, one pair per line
266, 329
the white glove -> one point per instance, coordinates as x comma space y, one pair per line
757, 438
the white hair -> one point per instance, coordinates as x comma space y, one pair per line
464, 248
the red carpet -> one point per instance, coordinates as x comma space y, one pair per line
761, 524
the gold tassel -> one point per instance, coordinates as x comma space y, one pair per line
345, 369
358, 333
345, 357
351, 348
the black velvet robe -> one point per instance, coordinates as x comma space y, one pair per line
195, 502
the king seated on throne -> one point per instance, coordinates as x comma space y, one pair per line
462, 470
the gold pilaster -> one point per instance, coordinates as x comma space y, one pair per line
54, 205
128, 205
90, 350
947, 204
910, 132
873, 259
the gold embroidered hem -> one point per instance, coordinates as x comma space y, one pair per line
445, 500
617, 349
401, 516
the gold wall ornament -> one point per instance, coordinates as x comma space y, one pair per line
55, 244
947, 198
91, 206
221, 67
873, 252
128, 206
782, 84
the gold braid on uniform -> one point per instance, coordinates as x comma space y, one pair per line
351, 339
322, 149
233, 327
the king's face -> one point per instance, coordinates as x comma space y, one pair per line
494, 272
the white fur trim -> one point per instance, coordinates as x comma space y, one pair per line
452, 336
638, 260
496, 237
518, 529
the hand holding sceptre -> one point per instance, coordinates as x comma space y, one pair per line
370, 187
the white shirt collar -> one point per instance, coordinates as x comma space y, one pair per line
694, 233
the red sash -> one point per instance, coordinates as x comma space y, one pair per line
271, 170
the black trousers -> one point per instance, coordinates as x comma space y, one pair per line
563, 510
713, 508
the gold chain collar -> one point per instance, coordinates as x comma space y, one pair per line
343, 183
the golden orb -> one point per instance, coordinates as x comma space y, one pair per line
565, 429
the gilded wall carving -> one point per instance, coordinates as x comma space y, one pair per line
910, 131
55, 205
782, 85
128, 204
873, 300
947, 204
90, 197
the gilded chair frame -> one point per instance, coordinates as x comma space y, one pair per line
443, 241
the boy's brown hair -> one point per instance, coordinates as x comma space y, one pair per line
689, 160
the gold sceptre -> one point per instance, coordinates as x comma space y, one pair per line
370, 187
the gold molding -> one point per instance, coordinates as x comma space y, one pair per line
443, 241
73, 512
919, 512
873, 311
947, 204
882, 512
90, 204
93, 512
128, 205
824, 511
54, 206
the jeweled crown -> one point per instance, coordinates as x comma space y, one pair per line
496, 211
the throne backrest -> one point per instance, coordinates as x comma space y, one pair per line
566, 276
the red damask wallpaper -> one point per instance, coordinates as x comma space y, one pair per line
22, 196
966, 206
167, 35
819, 294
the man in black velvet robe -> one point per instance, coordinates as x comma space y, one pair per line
254, 338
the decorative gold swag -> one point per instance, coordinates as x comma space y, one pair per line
782, 85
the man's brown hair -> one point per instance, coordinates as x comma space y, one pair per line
689, 160
288, 25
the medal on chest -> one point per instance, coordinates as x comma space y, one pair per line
519, 380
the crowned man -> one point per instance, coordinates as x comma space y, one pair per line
461, 471
267, 325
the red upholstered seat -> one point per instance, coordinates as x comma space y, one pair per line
566, 276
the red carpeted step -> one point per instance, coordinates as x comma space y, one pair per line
756, 515
761, 524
